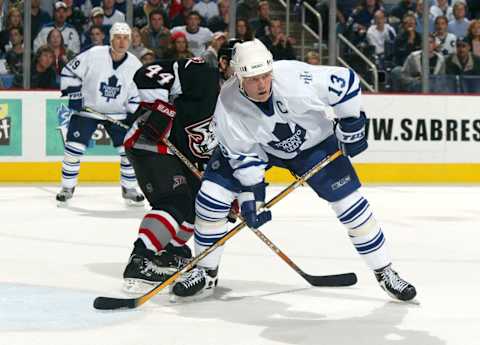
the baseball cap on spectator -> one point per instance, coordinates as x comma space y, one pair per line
59, 5
177, 35
463, 40
97, 11
146, 51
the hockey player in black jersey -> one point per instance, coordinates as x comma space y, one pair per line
178, 100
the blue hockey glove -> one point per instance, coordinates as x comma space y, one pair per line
75, 97
160, 121
248, 205
350, 133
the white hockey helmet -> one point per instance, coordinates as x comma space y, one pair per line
120, 29
251, 58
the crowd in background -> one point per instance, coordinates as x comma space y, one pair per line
390, 34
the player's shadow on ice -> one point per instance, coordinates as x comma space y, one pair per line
130, 213
286, 325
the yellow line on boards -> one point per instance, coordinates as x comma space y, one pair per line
368, 172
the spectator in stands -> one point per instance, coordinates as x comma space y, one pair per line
445, 39
147, 56
419, 18
97, 36
402, 8
459, 25
143, 9
408, 77
380, 33
75, 17
136, 47
407, 41
198, 37
111, 15
14, 56
42, 74
155, 35
206, 8
441, 8
61, 54
260, 25
39, 18
211, 54
14, 20
312, 58
277, 42
243, 31
70, 35
179, 47
96, 21
463, 62
181, 18
344, 10
360, 21
474, 36
220, 22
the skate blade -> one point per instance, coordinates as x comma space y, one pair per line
203, 295
132, 203
139, 287
62, 204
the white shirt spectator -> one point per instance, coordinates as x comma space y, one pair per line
116, 17
70, 36
378, 38
207, 9
436, 11
198, 41
446, 45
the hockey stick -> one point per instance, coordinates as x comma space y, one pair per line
343, 279
112, 303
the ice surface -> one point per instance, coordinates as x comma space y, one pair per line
55, 261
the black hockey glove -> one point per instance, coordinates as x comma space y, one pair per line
350, 133
160, 121
248, 200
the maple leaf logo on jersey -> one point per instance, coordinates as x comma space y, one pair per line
201, 139
110, 90
288, 141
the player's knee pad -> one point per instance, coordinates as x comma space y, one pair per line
213, 203
73, 152
354, 212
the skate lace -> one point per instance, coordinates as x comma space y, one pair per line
150, 266
394, 280
193, 278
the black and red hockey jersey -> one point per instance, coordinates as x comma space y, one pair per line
191, 87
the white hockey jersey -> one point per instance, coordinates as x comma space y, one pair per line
302, 97
105, 89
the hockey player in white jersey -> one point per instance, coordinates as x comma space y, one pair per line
274, 114
100, 79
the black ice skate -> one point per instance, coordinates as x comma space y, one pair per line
395, 286
146, 269
64, 195
196, 284
132, 197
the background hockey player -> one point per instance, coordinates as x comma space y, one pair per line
275, 114
169, 186
100, 79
